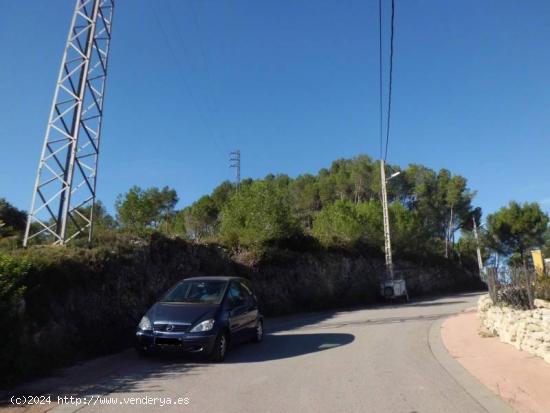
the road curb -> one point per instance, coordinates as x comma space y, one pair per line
487, 399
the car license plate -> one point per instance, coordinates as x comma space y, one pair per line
163, 341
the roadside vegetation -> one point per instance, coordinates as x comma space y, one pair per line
338, 207
432, 215
512, 233
309, 242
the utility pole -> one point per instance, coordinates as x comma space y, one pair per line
65, 188
479, 260
390, 286
235, 162
387, 240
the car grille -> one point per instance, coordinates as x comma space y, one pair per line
172, 328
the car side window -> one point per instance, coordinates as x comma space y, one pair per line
248, 296
236, 296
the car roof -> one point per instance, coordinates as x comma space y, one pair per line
214, 277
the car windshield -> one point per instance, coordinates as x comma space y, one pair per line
197, 291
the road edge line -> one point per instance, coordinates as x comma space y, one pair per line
485, 397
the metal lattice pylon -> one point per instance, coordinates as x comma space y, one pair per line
235, 162
65, 188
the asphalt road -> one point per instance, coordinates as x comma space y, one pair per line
368, 360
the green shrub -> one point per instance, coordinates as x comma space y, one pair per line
12, 278
13, 274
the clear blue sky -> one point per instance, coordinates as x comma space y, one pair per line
294, 85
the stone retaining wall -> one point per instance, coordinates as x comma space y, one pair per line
527, 330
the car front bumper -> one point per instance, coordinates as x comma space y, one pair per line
181, 342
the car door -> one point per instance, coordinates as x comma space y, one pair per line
238, 310
252, 307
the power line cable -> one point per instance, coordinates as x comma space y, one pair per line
181, 75
380, 69
203, 55
210, 93
390, 79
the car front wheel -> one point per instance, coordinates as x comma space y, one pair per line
220, 348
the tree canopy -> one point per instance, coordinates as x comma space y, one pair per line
345, 223
339, 206
140, 209
517, 228
257, 213
12, 220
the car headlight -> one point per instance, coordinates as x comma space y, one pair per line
206, 325
145, 323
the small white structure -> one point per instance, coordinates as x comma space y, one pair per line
394, 289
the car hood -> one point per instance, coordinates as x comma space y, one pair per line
182, 313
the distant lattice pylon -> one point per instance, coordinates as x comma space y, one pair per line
235, 162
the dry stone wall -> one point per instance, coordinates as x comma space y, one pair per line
527, 330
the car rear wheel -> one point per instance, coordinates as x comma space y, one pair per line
220, 348
258, 332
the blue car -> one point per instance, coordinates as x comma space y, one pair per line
202, 315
